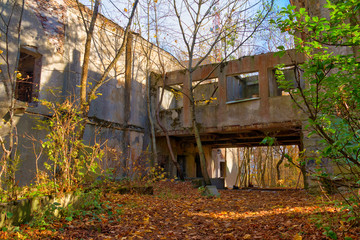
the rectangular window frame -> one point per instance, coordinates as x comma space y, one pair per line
36, 76
274, 90
245, 98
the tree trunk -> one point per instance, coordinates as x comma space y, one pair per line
86, 98
9, 159
263, 168
154, 158
86, 60
248, 162
270, 153
303, 167
198, 141
278, 177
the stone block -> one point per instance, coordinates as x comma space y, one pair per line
211, 190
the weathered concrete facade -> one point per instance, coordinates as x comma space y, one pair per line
53, 34
225, 122
238, 104
229, 121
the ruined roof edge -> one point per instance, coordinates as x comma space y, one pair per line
73, 4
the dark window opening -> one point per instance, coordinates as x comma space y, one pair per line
242, 86
28, 84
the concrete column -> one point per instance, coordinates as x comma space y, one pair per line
263, 87
186, 102
222, 94
232, 167
208, 159
214, 164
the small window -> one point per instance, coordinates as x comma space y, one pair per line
206, 92
242, 86
172, 97
290, 74
27, 86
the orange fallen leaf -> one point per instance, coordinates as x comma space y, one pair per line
247, 236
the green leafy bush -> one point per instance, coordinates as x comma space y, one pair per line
327, 90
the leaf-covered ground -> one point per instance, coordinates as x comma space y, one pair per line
178, 211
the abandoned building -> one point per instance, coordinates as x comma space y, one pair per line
238, 104
51, 50
247, 107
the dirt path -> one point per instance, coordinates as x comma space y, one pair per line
177, 211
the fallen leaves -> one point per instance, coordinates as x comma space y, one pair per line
297, 237
247, 236
178, 211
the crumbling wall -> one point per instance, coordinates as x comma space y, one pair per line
52, 16
222, 113
230, 122
54, 31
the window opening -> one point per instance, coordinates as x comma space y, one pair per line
172, 98
290, 74
27, 85
206, 92
242, 86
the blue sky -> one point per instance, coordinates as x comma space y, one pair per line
282, 3
167, 41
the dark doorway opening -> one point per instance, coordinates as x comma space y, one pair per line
198, 166
182, 162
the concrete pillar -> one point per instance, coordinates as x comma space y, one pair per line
264, 87
232, 167
208, 159
186, 102
214, 164
222, 94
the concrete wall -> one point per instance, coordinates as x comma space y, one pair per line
260, 110
230, 117
247, 115
53, 31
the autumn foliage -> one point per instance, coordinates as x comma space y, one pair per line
179, 211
